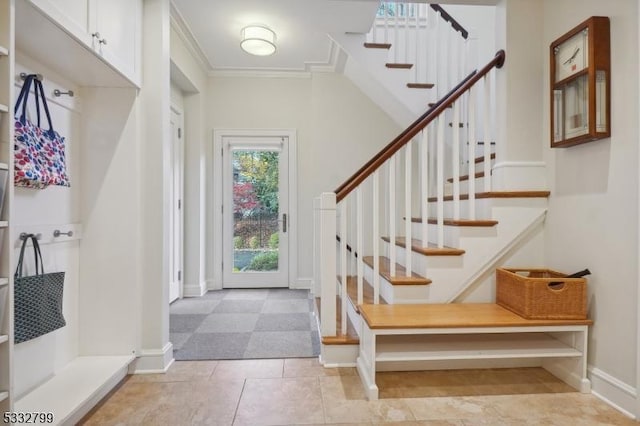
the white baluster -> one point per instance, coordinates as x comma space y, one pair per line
396, 41
407, 207
386, 23
376, 237
472, 153
343, 265
360, 243
455, 154
424, 193
440, 178
392, 215
406, 34
417, 34
487, 133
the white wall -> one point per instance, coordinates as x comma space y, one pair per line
177, 98
36, 360
480, 22
338, 130
593, 211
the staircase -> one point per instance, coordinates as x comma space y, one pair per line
418, 223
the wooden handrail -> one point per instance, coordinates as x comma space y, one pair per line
450, 19
416, 127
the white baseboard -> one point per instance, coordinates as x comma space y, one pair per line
213, 285
302, 284
614, 392
195, 290
519, 176
152, 361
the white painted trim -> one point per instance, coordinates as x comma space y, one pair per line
334, 59
302, 283
195, 290
335, 356
613, 391
216, 258
153, 360
183, 30
259, 73
519, 176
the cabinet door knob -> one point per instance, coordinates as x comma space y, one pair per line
96, 35
102, 41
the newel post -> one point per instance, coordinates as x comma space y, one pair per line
324, 265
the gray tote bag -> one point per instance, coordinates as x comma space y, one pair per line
37, 298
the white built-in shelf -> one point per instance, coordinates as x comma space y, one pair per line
4, 51
3, 396
75, 389
4, 108
3, 338
469, 346
4, 281
3, 223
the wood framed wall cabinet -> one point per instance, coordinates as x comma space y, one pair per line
580, 66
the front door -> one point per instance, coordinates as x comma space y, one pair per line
255, 237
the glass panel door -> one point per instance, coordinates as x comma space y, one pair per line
255, 221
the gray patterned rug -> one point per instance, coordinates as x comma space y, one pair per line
244, 324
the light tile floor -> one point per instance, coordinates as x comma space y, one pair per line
300, 391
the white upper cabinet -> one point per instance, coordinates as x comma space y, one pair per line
111, 28
117, 33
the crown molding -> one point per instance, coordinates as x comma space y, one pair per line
335, 60
186, 35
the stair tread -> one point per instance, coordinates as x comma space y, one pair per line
400, 278
429, 250
458, 222
399, 65
466, 177
341, 338
420, 85
377, 45
481, 159
498, 194
352, 291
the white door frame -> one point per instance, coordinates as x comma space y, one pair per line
177, 114
215, 232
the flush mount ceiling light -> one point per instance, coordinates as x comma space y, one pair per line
258, 40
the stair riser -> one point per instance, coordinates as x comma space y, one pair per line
453, 234
464, 186
482, 207
422, 264
399, 293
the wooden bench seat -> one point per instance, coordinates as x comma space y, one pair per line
396, 335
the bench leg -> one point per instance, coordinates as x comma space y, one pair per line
572, 371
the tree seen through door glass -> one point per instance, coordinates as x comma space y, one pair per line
255, 210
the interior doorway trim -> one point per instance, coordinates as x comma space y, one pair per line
215, 231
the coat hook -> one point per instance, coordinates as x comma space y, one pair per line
24, 236
57, 233
24, 75
57, 92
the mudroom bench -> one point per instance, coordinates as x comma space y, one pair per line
401, 337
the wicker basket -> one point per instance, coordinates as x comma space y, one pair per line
541, 294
